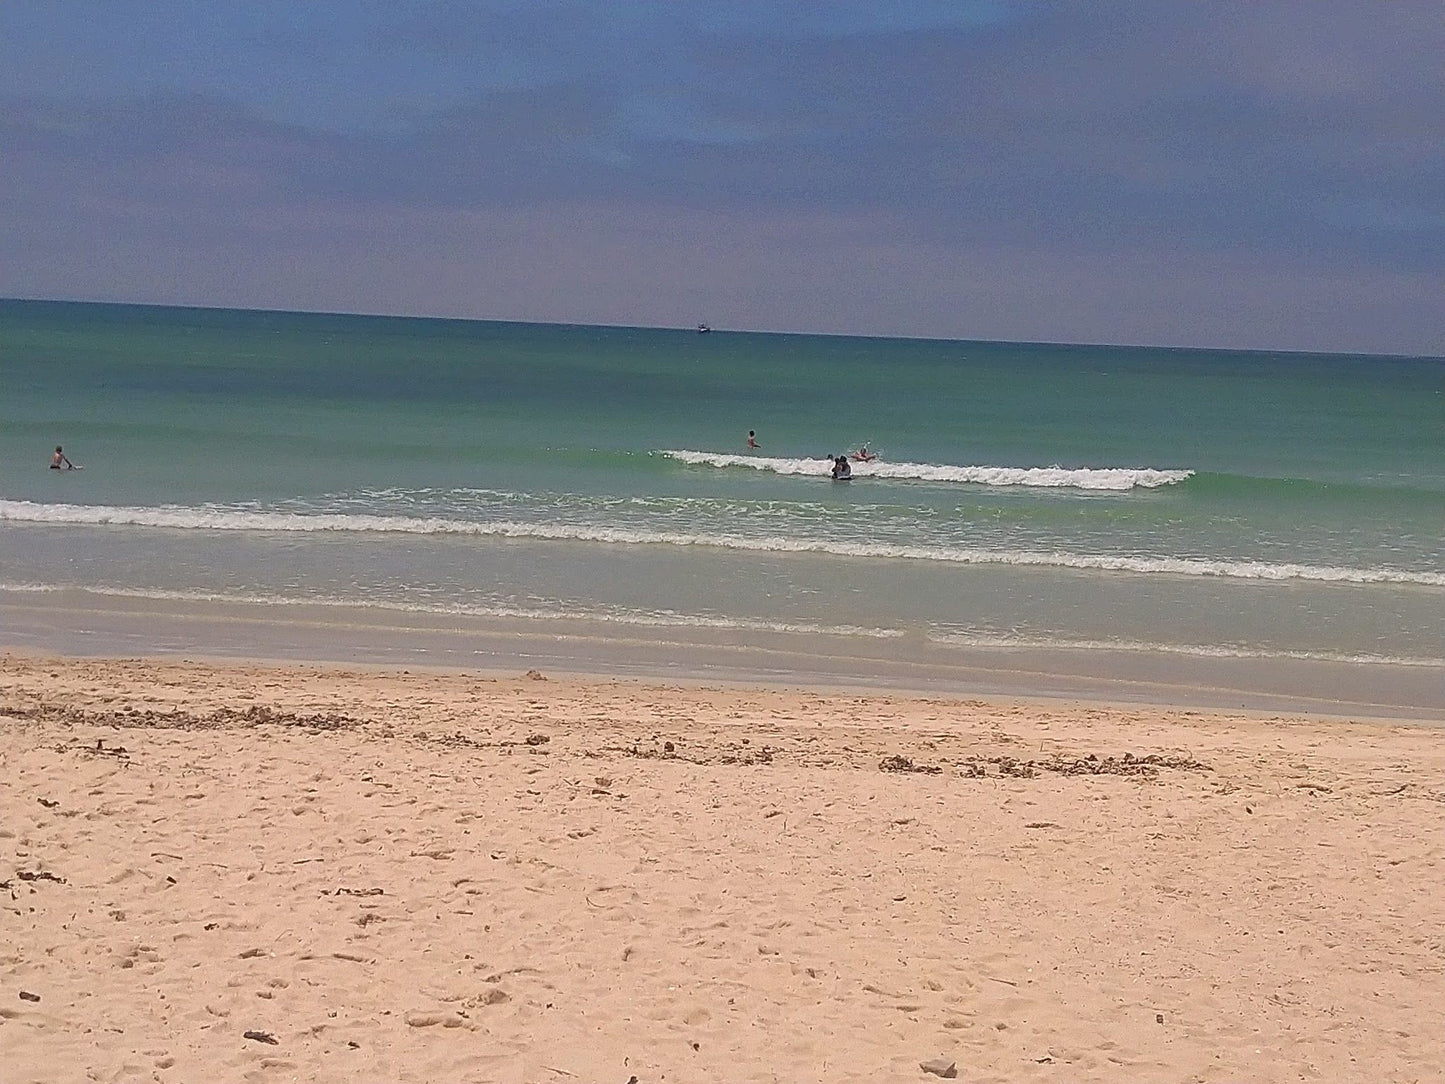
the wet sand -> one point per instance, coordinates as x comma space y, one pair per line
77, 622
301, 872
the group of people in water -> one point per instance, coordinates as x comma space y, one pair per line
842, 468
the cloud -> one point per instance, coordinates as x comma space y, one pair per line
993, 169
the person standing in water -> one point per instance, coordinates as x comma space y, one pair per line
752, 439
59, 462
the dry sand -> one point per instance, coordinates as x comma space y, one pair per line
242, 872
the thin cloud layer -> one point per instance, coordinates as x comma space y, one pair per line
1244, 175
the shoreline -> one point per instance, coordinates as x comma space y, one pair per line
336, 873
81, 624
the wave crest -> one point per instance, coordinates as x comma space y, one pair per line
1112, 479
222, 519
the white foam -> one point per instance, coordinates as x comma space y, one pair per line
1194, 650
646, 619
672, 619
222, 519
1111, 479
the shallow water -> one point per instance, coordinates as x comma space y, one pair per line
1203, 503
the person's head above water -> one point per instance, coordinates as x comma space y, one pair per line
57, 448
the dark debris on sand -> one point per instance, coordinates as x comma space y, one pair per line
221, 719
899, 763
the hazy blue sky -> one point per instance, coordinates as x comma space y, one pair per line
1260, 173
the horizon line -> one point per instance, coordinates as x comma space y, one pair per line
714, 329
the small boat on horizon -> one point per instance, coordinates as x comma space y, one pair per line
703, 329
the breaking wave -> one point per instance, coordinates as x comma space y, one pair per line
1112, 479
220, 518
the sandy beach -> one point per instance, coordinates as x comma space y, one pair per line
290, 872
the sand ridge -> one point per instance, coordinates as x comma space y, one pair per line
291, 872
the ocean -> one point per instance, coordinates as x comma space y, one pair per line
1120, 501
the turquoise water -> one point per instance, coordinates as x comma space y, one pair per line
1052, 495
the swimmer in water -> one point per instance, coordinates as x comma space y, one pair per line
59, 462
863, 455
752, 439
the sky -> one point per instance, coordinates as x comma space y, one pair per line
1264, 174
